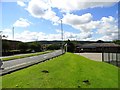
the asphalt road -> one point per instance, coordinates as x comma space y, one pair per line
92, 56
13, 65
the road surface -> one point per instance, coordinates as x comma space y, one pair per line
16, 64
92, 56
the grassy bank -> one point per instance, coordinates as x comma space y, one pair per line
66, 71
24, 56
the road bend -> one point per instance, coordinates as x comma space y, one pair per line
13, 65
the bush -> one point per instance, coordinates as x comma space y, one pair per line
23, 47
35, 46
54, 47
5, 46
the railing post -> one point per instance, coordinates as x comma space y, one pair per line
108, 57
102, 56
116, 58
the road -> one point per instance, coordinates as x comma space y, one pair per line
92, 56
15, 55
16, 64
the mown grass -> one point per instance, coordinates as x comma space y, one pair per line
66, 71
24, 56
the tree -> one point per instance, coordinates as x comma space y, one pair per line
5, 46
35, 46
54, 47
70, 46
22, 46
100, 41
116, 42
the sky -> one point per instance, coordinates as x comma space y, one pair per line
41, 20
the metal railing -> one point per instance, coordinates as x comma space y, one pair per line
112, 58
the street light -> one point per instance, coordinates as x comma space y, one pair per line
62, 34
4, 36
0, 35
13, 32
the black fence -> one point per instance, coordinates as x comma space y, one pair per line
112, 58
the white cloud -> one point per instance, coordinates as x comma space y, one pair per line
71, 5
113, 36
106, 26
80, 0
41, 9
84, 23
27, 35
72, 19
22, 23
21, 3
76, 36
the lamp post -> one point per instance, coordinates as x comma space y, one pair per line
13, 38
62, 34
13, 32
4, 36
0, 35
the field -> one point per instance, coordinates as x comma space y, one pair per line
66, 71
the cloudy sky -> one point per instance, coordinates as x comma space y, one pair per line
40, 19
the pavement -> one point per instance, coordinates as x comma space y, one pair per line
13, 65
92, 56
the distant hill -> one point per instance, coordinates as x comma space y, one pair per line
58, 42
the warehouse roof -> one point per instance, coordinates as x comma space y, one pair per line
93, 45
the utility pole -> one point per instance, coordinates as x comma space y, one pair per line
61, 30
62, 34
13, 32
0, 35
13, 39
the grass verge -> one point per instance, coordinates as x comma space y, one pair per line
24, 56
66, 71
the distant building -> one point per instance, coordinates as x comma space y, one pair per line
98, 47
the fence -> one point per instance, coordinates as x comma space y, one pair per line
112, 58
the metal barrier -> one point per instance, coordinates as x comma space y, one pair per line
112, 58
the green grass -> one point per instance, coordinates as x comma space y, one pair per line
66, 71
24, 56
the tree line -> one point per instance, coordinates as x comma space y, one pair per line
27, 47
16, 47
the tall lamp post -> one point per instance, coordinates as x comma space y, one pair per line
62, 34
13, 39
13, 32
0, 35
